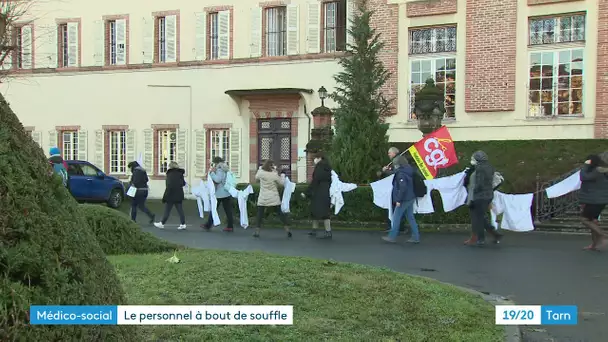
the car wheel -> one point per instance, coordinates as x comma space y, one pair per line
115, 199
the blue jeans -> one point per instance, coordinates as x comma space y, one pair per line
406, 208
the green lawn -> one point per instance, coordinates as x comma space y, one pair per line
332, 301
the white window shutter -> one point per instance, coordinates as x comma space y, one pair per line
200, 43
200, 158
26, 47
82, 144
131, 137
148, 40
121, 42
313, 28
99, 149
171, 32
350, 13
99, 36
53, 139
224, 34
293, 31
149, 150
182, 149
235, 152
72, 44
37, 137
256, 32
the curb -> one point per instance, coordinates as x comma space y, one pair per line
513, 333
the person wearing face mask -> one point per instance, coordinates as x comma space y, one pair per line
593, 196
318, 192
479, 183
403, 197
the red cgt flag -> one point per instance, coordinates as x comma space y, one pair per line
433, 152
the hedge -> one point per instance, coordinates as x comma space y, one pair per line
117, 234
48, 253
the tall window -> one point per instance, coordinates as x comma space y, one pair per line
167, 149
438, 45
276, 31
556, 71
70, 145
220, 143
112, 36
556, 83
214, 47
561, 29
18, 48
64, 45
118, 152
335, 26
162, 39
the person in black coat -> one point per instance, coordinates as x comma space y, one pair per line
318, 192
174, 195
139, 180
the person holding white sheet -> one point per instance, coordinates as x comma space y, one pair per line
218, 175
318, 193
593, 196
269, 195
403, 197
480, 192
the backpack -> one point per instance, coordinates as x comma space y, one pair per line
419, 186
230, 182
497, 180
60, 170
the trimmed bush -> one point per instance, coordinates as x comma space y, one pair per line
48, 254
117, 234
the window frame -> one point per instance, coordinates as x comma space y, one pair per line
213, 37
112, 42
555, 84
433, 58
224, 139
433, 39
73, 155
277, 46
64, 45
158, 168
557, 21
161, 39
122, 156
339, 31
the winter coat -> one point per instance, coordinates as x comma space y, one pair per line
55, 160
174, 186
219, 178
269, 191
318, 191
480, 183
139, 178
594, 185
403, 184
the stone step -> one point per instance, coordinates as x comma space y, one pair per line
552, 226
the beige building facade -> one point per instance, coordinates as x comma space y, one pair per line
193, 80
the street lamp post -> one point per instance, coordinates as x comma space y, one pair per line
321, 133
429, 105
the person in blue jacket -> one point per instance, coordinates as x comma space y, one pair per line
403, 198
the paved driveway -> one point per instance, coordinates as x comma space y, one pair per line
529, 268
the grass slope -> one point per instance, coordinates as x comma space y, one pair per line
332, 301
117, 234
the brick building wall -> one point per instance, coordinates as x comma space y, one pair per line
490, 55
431, 7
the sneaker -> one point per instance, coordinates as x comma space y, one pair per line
181, 227
256, 235
205, 227
229, 230
414, 241
480, 243
159, 225
388, 239
326, 235
312, 232
289, 235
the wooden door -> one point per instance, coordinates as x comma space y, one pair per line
274, 142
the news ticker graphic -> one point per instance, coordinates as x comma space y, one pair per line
161, 315
536, 315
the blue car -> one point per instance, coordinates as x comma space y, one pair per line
89, 184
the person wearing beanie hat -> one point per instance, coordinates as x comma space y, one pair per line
403, 197
59, 166
593, 196
480, 193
